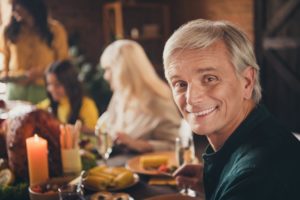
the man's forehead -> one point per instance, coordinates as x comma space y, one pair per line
170, 70
179, 59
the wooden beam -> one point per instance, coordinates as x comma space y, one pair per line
282, 71
259, 27
281, 16
281, 43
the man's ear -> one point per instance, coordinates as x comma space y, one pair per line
248, 81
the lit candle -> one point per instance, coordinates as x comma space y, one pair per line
37, 156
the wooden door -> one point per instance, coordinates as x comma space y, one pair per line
277, 42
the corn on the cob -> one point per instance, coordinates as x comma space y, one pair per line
153, 161
102, 177
123, 179
96, 182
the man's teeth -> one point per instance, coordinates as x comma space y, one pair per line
205, 112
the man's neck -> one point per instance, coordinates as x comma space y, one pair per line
217, 140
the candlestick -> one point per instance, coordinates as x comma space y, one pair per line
37, 156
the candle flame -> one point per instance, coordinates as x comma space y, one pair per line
36, 137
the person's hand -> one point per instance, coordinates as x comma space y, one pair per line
141, 146
190, 175
33, 74
3, 74
123, 139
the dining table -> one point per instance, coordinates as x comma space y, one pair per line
142, 189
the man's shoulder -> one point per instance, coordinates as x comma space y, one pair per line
266, 156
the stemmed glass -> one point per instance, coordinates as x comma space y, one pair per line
185, 154
104, 141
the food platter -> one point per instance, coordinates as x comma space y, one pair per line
136, 179
134, 163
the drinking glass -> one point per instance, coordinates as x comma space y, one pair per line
104, 141
70, 192
185, 154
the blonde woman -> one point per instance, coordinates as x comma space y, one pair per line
141, 115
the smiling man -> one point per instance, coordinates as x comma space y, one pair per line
212, 70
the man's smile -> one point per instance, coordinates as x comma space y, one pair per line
203, 112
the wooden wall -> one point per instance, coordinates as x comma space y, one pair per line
83, 17
239, 12
83, 21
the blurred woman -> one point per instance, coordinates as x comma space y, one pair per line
66, 99
30, 43
141, 115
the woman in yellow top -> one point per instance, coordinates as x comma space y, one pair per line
30, 43
66, 99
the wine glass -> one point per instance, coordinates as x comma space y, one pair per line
104, 140
185, 154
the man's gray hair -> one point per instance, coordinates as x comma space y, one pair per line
200, 34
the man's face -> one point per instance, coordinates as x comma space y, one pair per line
207, 90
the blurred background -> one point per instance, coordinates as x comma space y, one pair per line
272, 26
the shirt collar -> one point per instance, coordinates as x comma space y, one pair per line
238, 137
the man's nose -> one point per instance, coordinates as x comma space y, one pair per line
194, 94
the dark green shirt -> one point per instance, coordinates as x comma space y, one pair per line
259, 161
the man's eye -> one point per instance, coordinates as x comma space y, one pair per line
179, 85
210, 78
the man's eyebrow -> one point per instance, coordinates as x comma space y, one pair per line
200, 70
207, 69
171, 77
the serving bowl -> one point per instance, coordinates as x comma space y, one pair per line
49, 189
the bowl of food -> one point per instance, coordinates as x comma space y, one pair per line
49, 189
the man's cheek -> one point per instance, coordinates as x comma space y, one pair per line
180, 104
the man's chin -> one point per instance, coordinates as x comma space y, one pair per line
201, 130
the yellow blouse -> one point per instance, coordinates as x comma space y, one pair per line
88, 113
30, 51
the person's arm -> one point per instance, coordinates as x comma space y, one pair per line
160, 135
60, 40
138, 145
163, 136
5, 54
